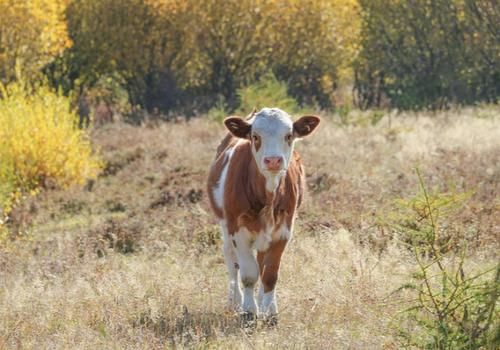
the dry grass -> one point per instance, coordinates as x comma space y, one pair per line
133, 260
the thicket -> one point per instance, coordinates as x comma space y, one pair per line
174, 53
428, 54
187, 55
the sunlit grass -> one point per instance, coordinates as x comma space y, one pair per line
70, 284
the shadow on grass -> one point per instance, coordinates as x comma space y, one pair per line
188, 327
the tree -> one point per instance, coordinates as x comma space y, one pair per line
428, 54
32, 34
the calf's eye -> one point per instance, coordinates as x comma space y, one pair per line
288, 138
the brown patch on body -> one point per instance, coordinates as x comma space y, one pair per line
218, 165
246, 200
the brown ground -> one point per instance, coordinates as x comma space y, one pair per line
133, 260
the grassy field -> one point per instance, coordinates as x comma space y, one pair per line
134, 259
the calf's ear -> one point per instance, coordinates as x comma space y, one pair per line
305, 125
238, 127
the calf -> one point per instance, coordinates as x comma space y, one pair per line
255, 186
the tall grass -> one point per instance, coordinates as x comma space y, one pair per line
73, 287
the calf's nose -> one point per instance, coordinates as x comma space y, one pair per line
273, 163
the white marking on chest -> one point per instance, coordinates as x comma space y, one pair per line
282, 233
263, 240
265, 237
273, 180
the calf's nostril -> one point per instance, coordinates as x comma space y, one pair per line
273, 163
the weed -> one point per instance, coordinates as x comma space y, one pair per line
343, 113
118, 235
376, 117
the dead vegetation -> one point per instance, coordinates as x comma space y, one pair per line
133, 260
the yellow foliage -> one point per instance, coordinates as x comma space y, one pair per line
216, 47
248, 37
32, 33
316, 43
40, 143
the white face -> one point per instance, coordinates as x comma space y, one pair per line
272, 140
272, 134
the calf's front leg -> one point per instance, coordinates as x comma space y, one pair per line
269, 264
234, 295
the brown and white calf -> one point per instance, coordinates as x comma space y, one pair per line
255, 186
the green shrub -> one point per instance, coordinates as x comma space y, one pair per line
267, 92
219, 111
110, 90
452, 308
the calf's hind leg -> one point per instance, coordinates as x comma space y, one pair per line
234, 295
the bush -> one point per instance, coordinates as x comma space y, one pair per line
40, 144
219, 111
267, 92
110, 90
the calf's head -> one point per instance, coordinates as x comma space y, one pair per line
272, 134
